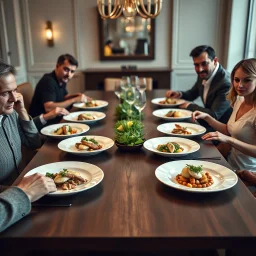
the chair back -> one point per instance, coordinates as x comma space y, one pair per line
27, 91
109, 83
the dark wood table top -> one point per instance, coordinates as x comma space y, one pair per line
130, 209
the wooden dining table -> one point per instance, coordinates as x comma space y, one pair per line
130, 210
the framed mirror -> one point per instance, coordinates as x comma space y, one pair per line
127, 39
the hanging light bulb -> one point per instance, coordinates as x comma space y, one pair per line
129, 8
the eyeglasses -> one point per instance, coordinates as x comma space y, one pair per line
203, 64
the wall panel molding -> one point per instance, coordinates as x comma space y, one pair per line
32, 64
178, 17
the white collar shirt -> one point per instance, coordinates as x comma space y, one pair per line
1, 118
207, 83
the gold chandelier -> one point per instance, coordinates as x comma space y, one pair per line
129, 8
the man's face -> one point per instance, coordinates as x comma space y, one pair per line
204, 66
8, 89
65, 71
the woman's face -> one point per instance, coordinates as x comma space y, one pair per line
244, 85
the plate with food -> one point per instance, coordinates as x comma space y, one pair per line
70, 177
181, 129
64, 130
85, 116
196, 176
93, 104
174, 114
167, 102
86, 145
171, 146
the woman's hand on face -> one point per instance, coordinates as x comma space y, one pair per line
199, 115
216, 136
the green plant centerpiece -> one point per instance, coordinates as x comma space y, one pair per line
129, 134
124, 111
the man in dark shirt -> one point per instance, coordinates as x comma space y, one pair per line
51, 90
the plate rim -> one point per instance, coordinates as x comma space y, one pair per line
167, 105
84, 153
85, 121
64, 136
172, 118
172, 154
194, 190
105, 103
181, 135
70, 192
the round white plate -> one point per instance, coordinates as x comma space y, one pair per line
101, 104
189, 146
49, 130
161, 113
157, 100
223, 177
68, 145
90, 172
73, 117
195, 129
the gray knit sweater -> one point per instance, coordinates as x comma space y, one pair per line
14, 205
14, 132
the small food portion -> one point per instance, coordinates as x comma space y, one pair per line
194, 177
91, 104
174, 114
168, 101
65, 130
170, 147
88, 144
66, 179
85, 116
180, 130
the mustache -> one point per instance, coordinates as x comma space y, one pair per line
203, 72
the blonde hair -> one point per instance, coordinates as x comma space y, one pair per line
248, 66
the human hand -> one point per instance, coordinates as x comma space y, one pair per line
36, 186
199, 115
247, 176
55, 112
172, 94
216, 136
19, 103
184, 105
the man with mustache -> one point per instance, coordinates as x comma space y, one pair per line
51, 90
212, 85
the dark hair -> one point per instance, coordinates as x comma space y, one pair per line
68, 57
6, 69
109, 42
248, 66
203, 48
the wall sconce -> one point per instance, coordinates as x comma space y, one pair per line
49, 33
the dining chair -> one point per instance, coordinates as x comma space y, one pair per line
27, 92
149, 83
109, 83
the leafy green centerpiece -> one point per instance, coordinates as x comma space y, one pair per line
124, 111
129, 133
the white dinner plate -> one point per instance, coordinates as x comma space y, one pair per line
161, 113
223, 177
157, 100
101, 104
49, 130
92, 173
73, 117
189, 146
68, 145
195, 129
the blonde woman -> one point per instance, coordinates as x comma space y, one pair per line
240, 131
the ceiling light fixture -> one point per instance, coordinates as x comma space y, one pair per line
129, 8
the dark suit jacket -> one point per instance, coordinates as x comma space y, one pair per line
216, 104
